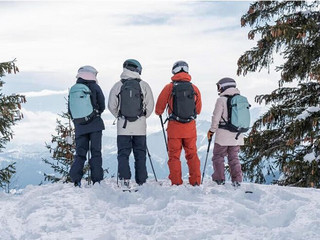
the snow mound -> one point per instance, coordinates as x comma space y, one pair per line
103, 212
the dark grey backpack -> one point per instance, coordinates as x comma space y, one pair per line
183, 102
130, 100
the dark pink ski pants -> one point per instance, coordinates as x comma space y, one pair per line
219, 153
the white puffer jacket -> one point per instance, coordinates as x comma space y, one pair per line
138, 127
222, 136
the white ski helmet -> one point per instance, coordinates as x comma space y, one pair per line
180, 66
87, 73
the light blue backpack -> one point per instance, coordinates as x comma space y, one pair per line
238, 114
80, 105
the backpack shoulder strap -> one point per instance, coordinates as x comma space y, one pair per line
91, 96
229, 107
170, 98
194, 91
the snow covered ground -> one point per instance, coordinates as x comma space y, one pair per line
103, 212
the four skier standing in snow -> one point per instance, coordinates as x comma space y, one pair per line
131, 102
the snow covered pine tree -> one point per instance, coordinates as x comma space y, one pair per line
287, 135
62, 148
9, 113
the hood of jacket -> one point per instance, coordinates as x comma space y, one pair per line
127, 74
181, 76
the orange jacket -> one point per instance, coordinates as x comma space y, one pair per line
176, 129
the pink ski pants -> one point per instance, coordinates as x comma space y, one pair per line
219, 153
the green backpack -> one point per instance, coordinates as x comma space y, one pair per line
238, 114
80, 104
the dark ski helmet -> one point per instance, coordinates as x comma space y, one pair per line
225, 83
180, 66
132, 65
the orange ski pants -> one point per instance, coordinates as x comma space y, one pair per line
175, 146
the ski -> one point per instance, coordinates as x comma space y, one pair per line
129, 190
245, 191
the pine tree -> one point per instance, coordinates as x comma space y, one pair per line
10, 107
286, 137
6, 175
62, 148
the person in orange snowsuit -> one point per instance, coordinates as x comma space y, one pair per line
181, 134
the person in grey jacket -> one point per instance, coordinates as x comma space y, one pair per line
131, 135
226, 143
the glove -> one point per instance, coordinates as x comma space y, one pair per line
209, 135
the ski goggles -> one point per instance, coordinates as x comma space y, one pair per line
218, 87
133, 67
180, 68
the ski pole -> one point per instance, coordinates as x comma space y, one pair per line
89, 151
164, 134
154, 173
205, 163
117, 177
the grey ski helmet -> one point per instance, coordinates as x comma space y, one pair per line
225, 83
180, 66
132, 65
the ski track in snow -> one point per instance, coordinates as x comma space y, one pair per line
103, 212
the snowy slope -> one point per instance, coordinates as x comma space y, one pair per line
61, 211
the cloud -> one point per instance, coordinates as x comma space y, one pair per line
44, 93
35, 128
149, 19
51, 40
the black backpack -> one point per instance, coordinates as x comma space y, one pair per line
130, 100
183, 102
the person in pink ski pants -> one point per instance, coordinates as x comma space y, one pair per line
225, 144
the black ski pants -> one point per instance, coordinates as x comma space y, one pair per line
138, 145
95, 162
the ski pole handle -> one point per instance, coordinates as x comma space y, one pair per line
209, 144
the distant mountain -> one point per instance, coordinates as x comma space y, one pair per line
29, 164
30, 167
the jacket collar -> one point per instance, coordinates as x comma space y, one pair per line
127, 74
181, 76
230, 91
81, 80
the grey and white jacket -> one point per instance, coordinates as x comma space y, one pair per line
138, 127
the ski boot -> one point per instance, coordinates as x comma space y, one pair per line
236, 184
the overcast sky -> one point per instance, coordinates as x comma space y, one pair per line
51, 40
